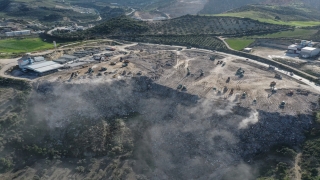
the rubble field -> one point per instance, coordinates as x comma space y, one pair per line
184, 115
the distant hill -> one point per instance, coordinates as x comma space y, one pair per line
185, 25
294, 15
285, 13
222, 6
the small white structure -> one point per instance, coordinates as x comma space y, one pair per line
294, 49
18, 33
308, 52
248, 50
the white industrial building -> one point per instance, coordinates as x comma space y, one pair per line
296, 48
18, 33
309, 52
38, 65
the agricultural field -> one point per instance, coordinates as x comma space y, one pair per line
211, 25
24, 45
244, 41
238, 43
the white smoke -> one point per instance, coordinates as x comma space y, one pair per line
252, 119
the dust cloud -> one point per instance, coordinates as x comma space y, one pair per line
176, 135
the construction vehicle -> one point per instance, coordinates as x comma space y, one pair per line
228, 80
139, 73
90, 70
278, 76
223, 64
212, 58
272, 67
244, 95
240, 72
124, 64
188, 71
225, 89
290, 93
282, 104
184, 88
201, 73
273, 84
112, 63
231, 92
179, 86
110, 49
103, 69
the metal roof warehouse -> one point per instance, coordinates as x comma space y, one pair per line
44, 66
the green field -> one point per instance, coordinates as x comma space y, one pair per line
239, 43
269, 19
23, 45
297, 33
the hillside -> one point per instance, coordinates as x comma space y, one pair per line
185, 25
222, 6
287, 15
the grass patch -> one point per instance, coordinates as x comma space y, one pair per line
239, 43
297, 33
24, 45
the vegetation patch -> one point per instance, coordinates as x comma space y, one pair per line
17, 45
198, 41
238, 43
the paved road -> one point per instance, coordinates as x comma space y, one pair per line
7, 64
